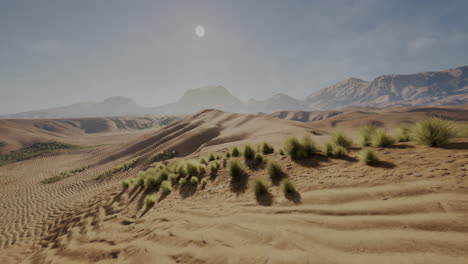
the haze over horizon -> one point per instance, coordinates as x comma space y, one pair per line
54, 53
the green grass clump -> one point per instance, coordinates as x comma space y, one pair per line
141, 179
275, 170
172, 177
235, 152
339, 151
340, 139
203, 161
236, 169
258, 159
267, 148
166, 187
151, 182
182, 181
181, 169
203, 182
214, 167
328, 149
433, 132
259, 187
298, 150
294, 148
281, 152
192, 168
228, 155
125, 184
404, 133
365, 135
211, 157
249, 152
149, 201
194, 180
368, 156
287, 187
381, 139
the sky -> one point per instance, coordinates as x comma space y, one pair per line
55, 53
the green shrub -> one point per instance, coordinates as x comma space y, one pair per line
368, 156
120, 168
182, 181
236, 169
258, 159
192, 168
228, 155
235, 152
224, 162
267, 148
340, 139
194, 180
433, 132
328, 149
149, 200
308, 145
294, 148
203, 182
125, 184
211, 157
141, 178
259, 187
214, 168
249, 152
163, 175
365, 135
287, 187
166, 187
404, 133
339, 151
203, 161
281, 152
275, 170
151, 182
172, 177
181, 169
381, 139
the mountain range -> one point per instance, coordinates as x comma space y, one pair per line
449, 87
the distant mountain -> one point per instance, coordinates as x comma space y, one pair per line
113, 106
194, 100
448, 87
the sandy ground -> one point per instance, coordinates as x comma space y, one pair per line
411, 208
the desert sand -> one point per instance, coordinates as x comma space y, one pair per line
410, 208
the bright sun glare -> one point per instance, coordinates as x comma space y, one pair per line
200, 31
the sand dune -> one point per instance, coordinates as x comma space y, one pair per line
409, 209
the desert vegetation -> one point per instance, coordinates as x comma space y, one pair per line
149, 200
63, 175
287, 187
259, 187
34, 150
299, 150
365, 135
266, 148
340, 139
433, 132
122, 167
404, 133
235, 152
368, 156
381, 139
249, 152
236, 169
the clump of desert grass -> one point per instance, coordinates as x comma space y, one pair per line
236, 169
404, 133
172, 177
433, 132
340, 139
338, 151
192, 168
166, 187
281, 152
380, 139
299, 150
194, 180
258, 159
249, 152
287, 188
151, 182
266, 148
365, 135
182, 181
275, 171
211, 157
129, 164
235, 152
203, 161
368, 156
202, 169
203, 183
125, 184
149, 201
214, 167
141, 179
259, 187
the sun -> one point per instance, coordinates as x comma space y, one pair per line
200, 31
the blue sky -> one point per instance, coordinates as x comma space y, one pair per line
54, 53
